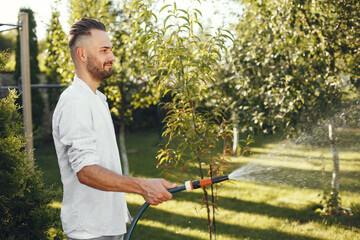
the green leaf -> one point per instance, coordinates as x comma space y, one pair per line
197, 10
167, 5
187, 14
185, 18
166, 19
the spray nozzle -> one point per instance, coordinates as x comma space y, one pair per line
189, 186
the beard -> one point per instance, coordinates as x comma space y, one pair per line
97, 70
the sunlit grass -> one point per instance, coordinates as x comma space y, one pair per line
280, 208
249, 207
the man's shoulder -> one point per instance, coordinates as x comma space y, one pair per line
73, 93
72, 96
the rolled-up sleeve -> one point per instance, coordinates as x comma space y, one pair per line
76, 133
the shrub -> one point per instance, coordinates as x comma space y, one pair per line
24, 202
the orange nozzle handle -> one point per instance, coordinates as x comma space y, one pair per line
205, 182
208, 181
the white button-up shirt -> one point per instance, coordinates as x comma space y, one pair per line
84, 135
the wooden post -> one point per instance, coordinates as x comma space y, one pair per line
25, 82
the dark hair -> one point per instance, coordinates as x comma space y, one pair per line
83, 27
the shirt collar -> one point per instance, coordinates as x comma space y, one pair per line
81, 83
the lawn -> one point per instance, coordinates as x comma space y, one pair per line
277, 204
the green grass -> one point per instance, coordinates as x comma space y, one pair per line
279, 208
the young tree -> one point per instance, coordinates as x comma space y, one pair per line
182, 64
36, 100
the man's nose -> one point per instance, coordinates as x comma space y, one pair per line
112, 57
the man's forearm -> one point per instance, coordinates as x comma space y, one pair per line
153, 190
106, 180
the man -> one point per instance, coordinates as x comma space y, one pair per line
94, 205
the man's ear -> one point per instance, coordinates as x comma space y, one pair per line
81, 54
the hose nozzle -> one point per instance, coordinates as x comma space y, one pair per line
204, 182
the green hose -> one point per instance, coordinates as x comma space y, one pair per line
142, 210
187, 186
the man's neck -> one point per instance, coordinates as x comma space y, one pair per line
93, 84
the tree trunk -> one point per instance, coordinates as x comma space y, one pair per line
123, 153
335, 183
235, 133
213, 204
206, 197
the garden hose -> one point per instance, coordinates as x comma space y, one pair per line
188, 186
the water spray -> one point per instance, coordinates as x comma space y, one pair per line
188, 186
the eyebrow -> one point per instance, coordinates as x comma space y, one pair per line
107, 47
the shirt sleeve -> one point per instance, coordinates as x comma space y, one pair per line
77, 135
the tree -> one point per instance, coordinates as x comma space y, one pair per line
24, 203
37, 102
337, 26
55, 41
292, 60
182, 64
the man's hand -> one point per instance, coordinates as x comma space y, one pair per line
155, 190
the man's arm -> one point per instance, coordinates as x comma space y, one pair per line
153, 190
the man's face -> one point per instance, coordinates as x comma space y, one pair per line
99, 55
